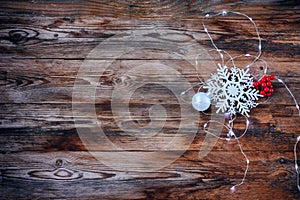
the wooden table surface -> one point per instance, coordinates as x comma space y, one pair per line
44, 43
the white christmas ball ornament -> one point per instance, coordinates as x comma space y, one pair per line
201, 101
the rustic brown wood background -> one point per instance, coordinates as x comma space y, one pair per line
43, 43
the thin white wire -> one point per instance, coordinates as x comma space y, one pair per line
298, 138
229, 136
223, 13
197, 70
222, 57
184, 92
249, 55
247, 165
257, 33
230, 125
256, 58
265, 70
214, 45
286, 87
296, 162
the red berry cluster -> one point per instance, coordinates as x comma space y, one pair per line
265, 86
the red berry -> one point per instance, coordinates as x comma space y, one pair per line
268, 78
262, 92
269, 83
271, 90
255, 84
263, 85
271, 86
269, 94
266, 89
272, 77
264, 79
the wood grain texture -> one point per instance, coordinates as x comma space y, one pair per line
43, 44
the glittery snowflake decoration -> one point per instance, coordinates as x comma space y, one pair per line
232, 90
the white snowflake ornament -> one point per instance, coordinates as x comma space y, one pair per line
232, 90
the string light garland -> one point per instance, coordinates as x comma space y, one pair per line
234, 91
296, 163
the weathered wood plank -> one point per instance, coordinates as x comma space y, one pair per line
44, 43
205, 178
38, 127
51, 81
73, 35
52, 46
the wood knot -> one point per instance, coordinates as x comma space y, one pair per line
122, 81
63, 173
118, 80
57, 174
20, 36
59, 162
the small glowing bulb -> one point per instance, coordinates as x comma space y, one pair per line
227, 115
224, 12
232, 189
247, 122
207, 15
